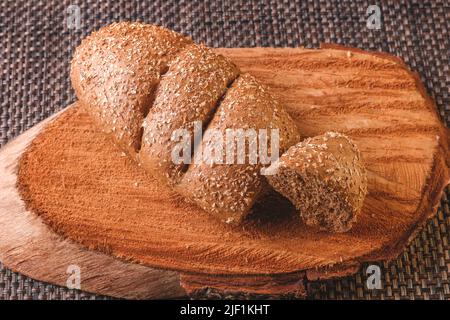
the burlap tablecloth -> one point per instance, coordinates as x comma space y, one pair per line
36, 45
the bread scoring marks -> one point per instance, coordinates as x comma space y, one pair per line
234, 146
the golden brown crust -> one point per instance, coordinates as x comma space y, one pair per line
230, 190
187, 93
324, 177
114, 73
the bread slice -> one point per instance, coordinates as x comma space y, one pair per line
324, 177
228, 190
115, 71
187, 93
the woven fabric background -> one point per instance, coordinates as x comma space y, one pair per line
36, 46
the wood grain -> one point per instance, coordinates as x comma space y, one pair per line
30, 247
372, 98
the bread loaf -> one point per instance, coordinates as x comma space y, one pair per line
324, 177
142, 83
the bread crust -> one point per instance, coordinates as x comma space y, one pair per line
324, 177
187, 93
114, 72
141, 83
230, 190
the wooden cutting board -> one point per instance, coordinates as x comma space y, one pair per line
371, 97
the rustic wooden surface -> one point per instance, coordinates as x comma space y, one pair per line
377, 102
28, 246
